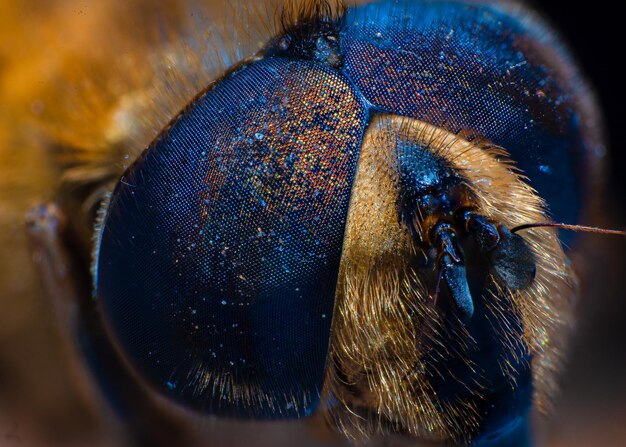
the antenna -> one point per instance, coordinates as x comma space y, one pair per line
567, 227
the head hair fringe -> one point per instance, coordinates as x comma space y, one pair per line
298, 14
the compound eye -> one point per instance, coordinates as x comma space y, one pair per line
219, 252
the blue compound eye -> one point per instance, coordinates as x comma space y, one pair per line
220, 251
367, 170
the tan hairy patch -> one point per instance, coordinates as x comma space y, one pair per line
384, 312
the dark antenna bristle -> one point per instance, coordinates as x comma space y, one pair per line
568, 227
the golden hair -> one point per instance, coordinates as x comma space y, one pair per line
383, 308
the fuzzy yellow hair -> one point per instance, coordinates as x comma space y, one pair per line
383, 309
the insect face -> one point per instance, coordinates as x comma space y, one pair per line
449, 337
331, 226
